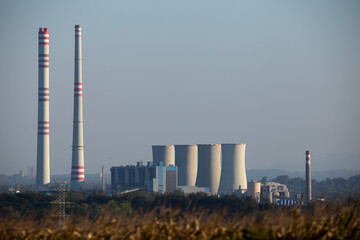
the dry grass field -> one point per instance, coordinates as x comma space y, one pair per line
331, 220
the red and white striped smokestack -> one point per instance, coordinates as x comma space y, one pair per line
308, 177
43, 145
77, 167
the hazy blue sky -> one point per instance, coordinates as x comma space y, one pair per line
281, 76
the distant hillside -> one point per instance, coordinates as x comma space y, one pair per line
340, 185
345, 161
256, 175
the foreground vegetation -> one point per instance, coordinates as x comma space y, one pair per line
174, 216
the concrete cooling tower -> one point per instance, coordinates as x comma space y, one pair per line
209, 166
233, 174
163, 153
186, 158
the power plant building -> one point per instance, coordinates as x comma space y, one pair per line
77, 166
166, 179
163, 153
233, 173
43, 133
186, 159
274, 191
209, 166
147, 178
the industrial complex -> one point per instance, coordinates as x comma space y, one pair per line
210, 168
197, 168
217, 169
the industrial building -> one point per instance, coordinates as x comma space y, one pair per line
209, 166
149, 178
273, 192
186, 159
233, 174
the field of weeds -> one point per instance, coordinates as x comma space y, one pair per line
332, 220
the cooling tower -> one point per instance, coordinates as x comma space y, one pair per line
163, 153
186, 159
209, 166
77, 167
233, 174
308, 177
43, 145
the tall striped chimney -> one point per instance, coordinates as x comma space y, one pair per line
308, 178
43, 145
77, 167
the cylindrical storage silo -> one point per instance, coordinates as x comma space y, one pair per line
253, 188
233, 173
163, 153
209, 166
186, 159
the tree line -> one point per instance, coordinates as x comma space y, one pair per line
95, 205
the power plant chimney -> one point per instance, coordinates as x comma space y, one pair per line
77, 167
43, 144
308, 178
